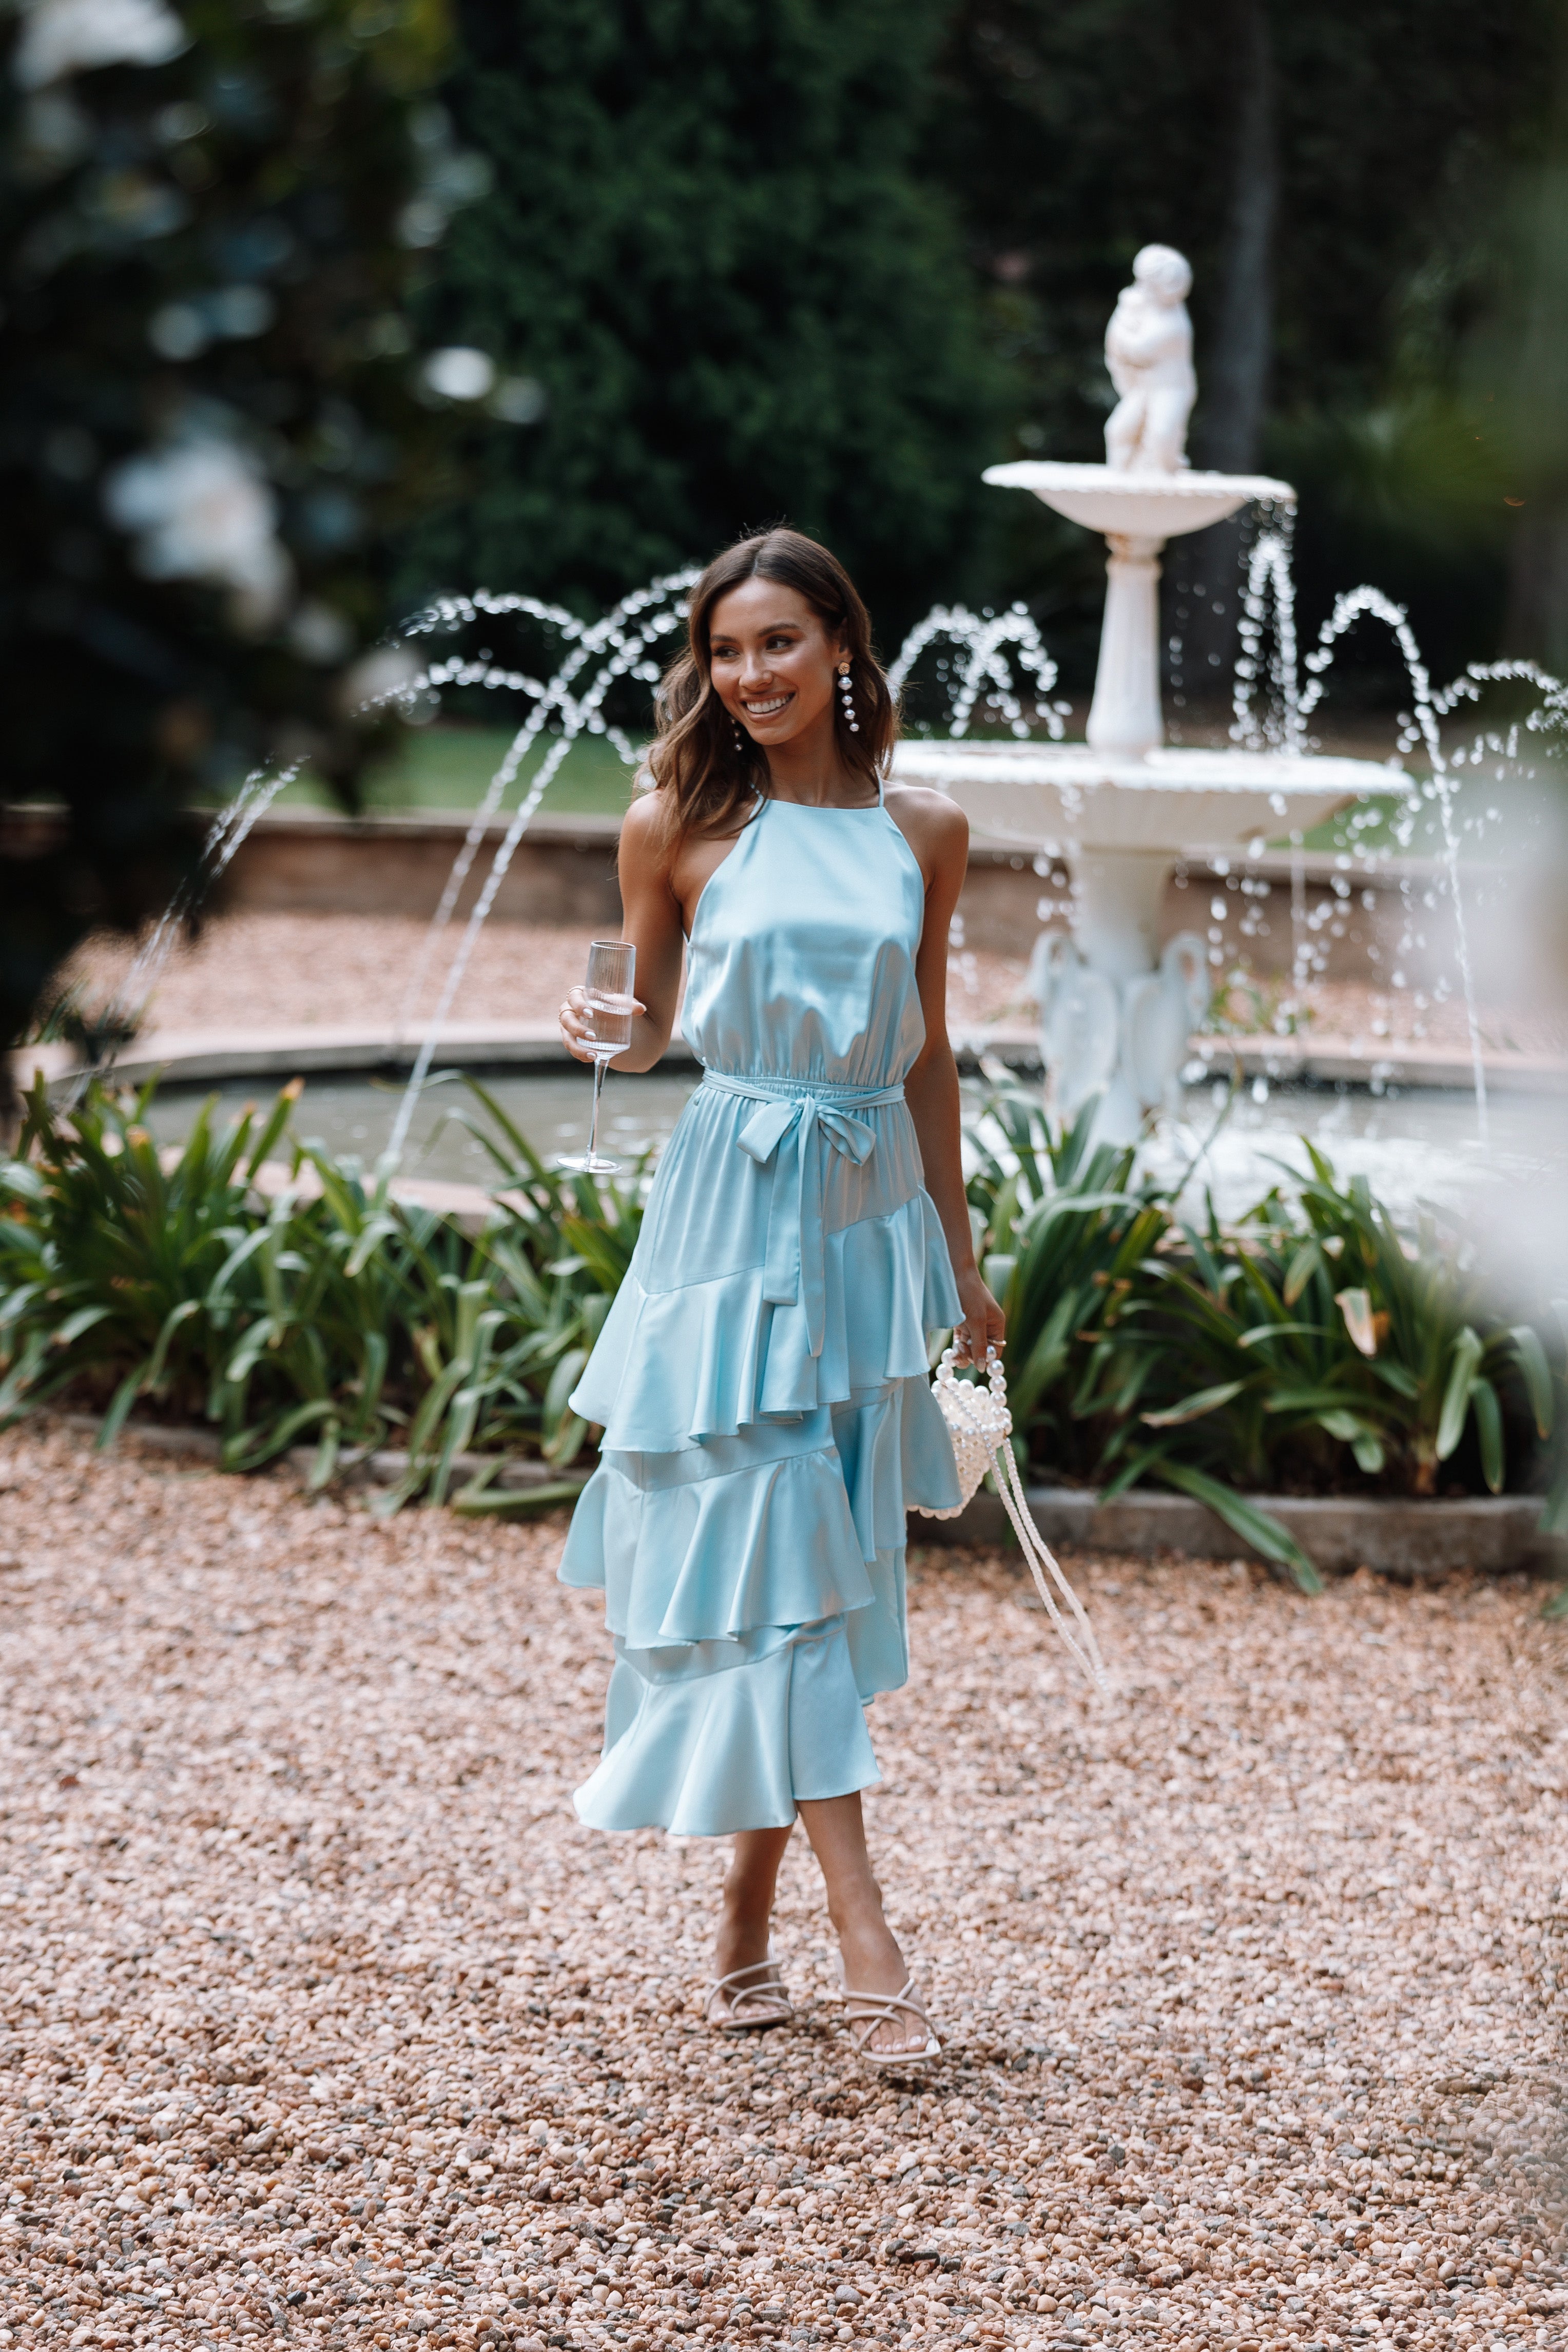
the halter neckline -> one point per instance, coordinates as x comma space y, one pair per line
829, 808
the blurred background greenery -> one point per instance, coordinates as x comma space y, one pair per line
214, 429
312, 309
824, 263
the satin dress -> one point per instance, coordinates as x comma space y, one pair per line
762, 1378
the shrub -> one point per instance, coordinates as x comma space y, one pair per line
1312, 1344
293, 1298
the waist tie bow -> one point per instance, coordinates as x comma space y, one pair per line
792, 1124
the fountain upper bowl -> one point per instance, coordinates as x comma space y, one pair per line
1167, 802
1137, 505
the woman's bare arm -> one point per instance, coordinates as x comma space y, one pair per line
652, 920
938, 834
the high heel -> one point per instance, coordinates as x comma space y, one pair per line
750, 2008
882, 2009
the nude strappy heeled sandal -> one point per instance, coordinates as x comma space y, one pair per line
748, 2008
885, 2009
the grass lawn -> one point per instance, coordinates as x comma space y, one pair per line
447, 767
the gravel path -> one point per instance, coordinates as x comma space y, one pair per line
325, 2022
249, 971
258, 971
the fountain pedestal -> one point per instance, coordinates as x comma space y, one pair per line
1126, 714
1138, 510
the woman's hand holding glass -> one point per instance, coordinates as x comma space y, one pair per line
601, 1015
576, 1030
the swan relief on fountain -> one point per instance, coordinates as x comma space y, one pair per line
1118, 1001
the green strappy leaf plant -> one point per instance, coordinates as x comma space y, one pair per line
1061, 1232
1315, 1344
111, 1249
250, 1279
1313, 1328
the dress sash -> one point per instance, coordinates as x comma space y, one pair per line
794, 1118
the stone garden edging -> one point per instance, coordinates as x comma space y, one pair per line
1493, 1534
1488, 1534
529, 1482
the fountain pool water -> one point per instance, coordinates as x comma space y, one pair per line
1411, 1145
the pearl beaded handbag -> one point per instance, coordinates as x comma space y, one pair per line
980, 1426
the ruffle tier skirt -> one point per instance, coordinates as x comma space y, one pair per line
747, 1520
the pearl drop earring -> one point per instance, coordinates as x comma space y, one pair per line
847, 690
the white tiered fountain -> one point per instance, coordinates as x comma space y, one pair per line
1115, 1008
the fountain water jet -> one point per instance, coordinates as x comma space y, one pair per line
627, 657
226, 835
551, 696
984, 636
1348, 609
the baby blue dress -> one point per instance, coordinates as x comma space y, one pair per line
762, 1379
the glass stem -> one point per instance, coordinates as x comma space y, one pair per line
599, 1065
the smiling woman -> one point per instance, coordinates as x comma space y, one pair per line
761, 1380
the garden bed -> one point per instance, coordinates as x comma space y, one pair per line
1314, 1383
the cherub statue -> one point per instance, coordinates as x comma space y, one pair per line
1148, 351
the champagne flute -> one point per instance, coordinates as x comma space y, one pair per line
611, 1006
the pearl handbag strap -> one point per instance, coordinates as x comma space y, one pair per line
1080, 1644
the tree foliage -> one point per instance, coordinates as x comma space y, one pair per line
209, 225
1070, 134
706, 245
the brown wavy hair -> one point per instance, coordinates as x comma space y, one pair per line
709, 782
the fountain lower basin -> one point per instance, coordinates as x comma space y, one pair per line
1116, 1007
1412, 1143
1173, 801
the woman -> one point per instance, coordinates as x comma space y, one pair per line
762, 1376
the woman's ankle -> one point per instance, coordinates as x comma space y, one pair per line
745, 1927
856, 1911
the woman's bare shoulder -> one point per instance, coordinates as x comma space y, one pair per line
643, 834
935, 827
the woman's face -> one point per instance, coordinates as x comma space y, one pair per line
772, 661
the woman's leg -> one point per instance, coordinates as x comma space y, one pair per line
747, 1913
873, 1961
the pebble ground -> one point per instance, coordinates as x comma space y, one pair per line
246, 972
325, 2023
258, 971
